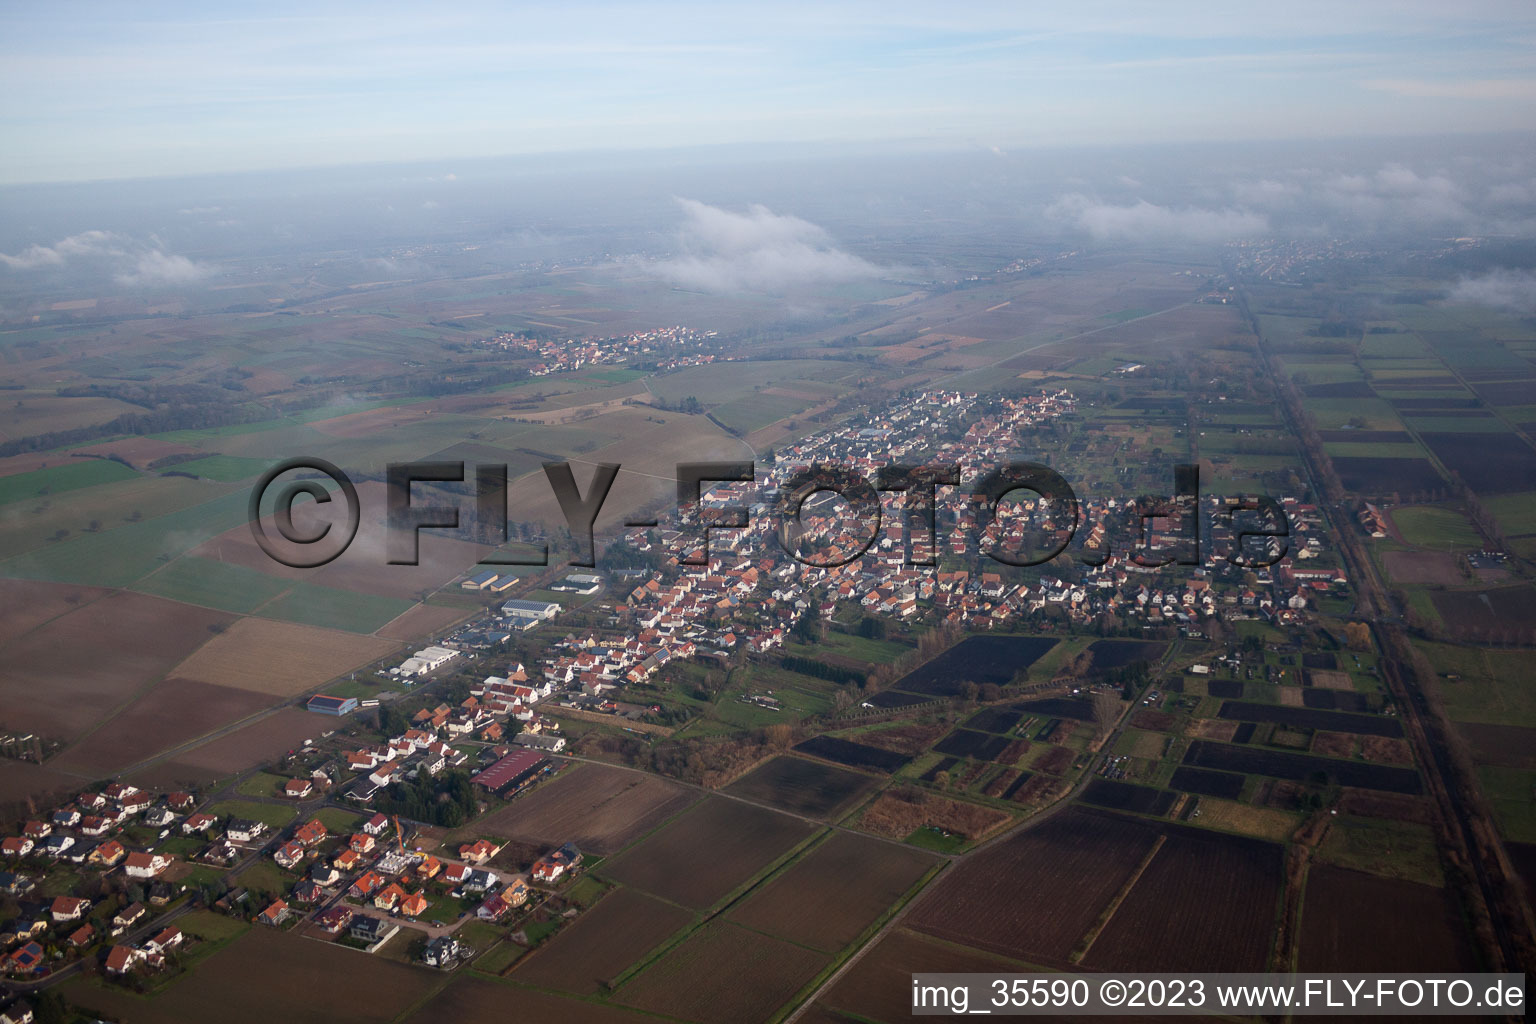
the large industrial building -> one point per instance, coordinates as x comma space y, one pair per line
528, 613
512, 771
328, 705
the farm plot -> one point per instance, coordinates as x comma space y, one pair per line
27, 604
66, 674
1503, 608
1205, 902
723, 973
896, 814
1370, 476
976, 659
968, 743
1298, 767
912, 738
475, 999
280, 659
1490, 463
623, 927
421, 620
173, 712
1079, 709
1126, 796
601, 809
1510, 746
1206, 782
1112, 654
238, 980
999, 720
1437, 567
1035, 894
278, 733
829, 897
230, 588
856, 755
804, 787
879, 985
1352, 921
329, 608
741, 839
1309, 718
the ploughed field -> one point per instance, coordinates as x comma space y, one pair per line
804, 787
604, 942
600, 809
976, 659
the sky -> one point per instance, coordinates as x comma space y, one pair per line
105, 91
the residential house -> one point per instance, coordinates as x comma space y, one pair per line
146, 865
276, 913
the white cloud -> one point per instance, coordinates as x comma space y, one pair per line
758, 250
130, 263
1144, 221
1457, 89
1513, 290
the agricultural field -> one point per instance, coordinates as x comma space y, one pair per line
59, 680
805, 787
606, 940
722, 974
1351, 921
741, 839
238, 980
977, 659
475, 998
879, 985
1034, 895
830, 896
600, 809
1204, 902
279, 659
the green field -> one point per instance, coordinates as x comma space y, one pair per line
197, 580
1395, 849
755, 411
1512, 791
1516, 513
314, 605
1493, 686
1430, 526
223, 468
123, 554
1337, 413
59, 479
276, 815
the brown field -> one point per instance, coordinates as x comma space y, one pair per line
1055, 761
371, 421
623, 927
1205, 903
897, 814
1352, 921
830, 896
138, 452
472, 999
1014, 752
1329, 679
1001, 783
281, 659
273, 736
364, 567
1291, 696
1392, 750
1039, 789
1156, 721
801, 786
600, 809
21, 781
1213, 729
724, 974
1036, 893
39, 414
1396, 806
267, 976
1436, 567
708, 853
1333, 744
27, 604
70, 672
910, 739
420, 621
174, 712
1260, 822
879, 985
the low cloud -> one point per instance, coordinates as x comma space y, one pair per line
129, 262
1144, 221
1514, 290
759, 251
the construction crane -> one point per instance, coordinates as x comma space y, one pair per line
399, 836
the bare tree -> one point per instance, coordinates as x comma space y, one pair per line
1106, 710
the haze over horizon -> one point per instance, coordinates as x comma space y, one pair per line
99, 92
